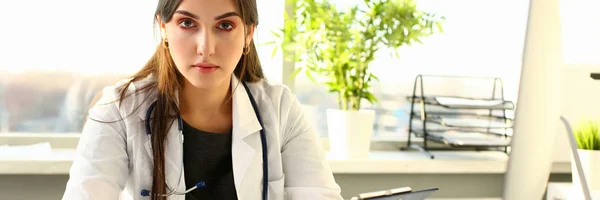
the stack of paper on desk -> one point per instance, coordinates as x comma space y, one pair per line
452, 101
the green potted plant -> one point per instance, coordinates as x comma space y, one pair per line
337, 46
587, 137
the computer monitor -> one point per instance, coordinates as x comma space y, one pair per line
537, 112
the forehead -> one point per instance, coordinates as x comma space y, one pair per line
208, 8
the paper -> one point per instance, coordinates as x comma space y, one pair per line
473, 123
26, 151
452, 101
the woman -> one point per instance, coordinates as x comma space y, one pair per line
205, 84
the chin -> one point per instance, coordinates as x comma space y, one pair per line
207, 82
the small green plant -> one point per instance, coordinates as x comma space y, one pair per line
337, 44
587, 136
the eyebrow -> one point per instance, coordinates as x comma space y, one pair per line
229, 14
189, 14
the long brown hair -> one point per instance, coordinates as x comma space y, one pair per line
170, 80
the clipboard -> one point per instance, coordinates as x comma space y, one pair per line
390, 195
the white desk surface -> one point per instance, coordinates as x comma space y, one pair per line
446, 162
566, 191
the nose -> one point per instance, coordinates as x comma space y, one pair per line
206, 43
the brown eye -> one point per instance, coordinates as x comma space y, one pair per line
226, 26
186, 23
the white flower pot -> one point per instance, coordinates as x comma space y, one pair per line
590, 162
350, 132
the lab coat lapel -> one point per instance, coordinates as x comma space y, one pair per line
145, 101
173, 158
173, 148
245, 143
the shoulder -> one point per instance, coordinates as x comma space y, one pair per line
278, 94
123, 98
279, 101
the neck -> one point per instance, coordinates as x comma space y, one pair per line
207, 102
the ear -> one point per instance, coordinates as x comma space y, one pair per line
250, 34
161, 25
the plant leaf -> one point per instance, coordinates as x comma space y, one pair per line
309, 76
295, 73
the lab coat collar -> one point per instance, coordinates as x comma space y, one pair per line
245, 120
147, 99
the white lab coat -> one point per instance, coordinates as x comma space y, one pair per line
111, 157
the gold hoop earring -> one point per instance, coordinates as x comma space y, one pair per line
165, 43
246, 50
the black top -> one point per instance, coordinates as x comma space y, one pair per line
207, 157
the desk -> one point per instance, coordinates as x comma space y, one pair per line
565, 191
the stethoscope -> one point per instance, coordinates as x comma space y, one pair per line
202, 184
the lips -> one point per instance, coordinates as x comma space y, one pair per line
205, 68
205, 65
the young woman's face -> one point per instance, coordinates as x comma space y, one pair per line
206, 40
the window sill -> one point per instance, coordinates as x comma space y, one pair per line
446, 162
384, 159
56, 140
379, 162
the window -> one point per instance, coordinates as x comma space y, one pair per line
57, 55
581, 37
269, 19
480, 38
